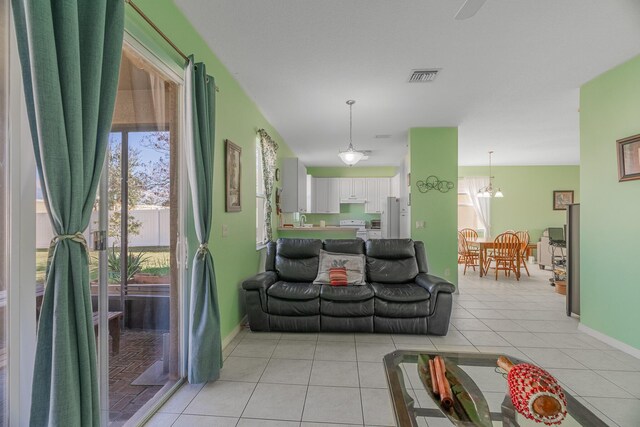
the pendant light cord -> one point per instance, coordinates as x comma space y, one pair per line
350, 124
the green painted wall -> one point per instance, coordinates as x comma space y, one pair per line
528, 196
353, 172
347, 211
434, 151
610, 210
237, 119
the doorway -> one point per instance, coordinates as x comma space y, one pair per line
137, 282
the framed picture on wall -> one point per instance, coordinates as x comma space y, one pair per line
233, 173
628, 158
562, 198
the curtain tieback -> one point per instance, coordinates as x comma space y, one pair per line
77, 237
203, 248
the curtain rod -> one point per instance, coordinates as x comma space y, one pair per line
159, 31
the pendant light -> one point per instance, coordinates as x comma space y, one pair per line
488, 191
351, 156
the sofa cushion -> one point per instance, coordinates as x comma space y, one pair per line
299, 248
391, 261
294, 291
346, 293
400, 292
297, 259
345, 246
347, 308
401, 309
352, 262
287, 307
390, 248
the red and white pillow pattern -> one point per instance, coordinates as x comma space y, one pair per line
333, 267
338, 276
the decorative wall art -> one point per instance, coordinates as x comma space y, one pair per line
562, 198
434, 183
628, 158
233, 173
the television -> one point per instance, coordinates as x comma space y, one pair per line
556, 234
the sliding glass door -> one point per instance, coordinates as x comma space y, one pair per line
4, 300
136, 229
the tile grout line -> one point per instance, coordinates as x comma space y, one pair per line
258, 382
304, 402
355, 346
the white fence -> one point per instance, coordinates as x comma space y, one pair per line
154, 230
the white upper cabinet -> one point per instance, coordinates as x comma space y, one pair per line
384, 190
378, 189
294, 186
325, 195
360, 188
353, 190
345, 189
395, 186
373, 201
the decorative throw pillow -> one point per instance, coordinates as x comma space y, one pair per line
338, 276
352, 263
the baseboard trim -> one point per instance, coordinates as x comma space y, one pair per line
234, 333
610, 341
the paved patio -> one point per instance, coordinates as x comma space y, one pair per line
139, 350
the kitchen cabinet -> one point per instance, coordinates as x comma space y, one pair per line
374, 234
353, 190
294, 186
395, 186
325, 195
378, 189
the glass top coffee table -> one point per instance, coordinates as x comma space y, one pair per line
412, 405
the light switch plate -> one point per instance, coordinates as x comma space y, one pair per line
225, 230
419, 224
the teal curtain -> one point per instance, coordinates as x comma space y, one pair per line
70, 56
205, 343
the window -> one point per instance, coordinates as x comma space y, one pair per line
467, 217
261, 234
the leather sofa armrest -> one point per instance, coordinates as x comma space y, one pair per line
434, 284
260, 281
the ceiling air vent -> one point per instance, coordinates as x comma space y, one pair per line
423, 76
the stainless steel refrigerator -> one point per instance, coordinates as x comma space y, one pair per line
390, 218
572, 236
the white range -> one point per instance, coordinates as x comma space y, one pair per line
358, 224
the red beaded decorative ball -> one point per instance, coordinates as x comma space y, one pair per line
526, 384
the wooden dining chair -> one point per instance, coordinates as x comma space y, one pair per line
470, 234
460, 248
505, 254
467, 256
523, 236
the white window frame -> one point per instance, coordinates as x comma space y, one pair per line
21, 237
261, 199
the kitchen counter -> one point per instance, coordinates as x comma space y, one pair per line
328, 232
316, 228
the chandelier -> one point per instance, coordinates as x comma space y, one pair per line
351, 156
489, 191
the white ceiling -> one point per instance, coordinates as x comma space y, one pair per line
510, 75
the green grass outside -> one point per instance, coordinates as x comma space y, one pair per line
157, 262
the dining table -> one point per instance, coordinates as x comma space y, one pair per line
484, 246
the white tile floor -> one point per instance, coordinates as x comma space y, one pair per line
305, 380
